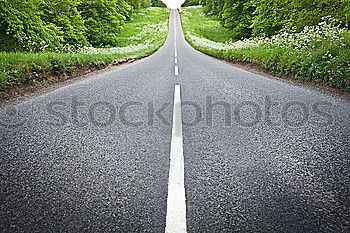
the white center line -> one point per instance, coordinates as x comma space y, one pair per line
176, 204
175, 52
175, 60
176, 70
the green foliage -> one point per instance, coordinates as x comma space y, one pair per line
49, 25
208, 27
64, 14
272, 16
346, 11
22, 27
137, 39
268, 17
157, 3
238, 15
213, 7
104, 19
146, 3
190, 3
319, 54
136, 4
145, 27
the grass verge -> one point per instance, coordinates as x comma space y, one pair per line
319, 54
144, 34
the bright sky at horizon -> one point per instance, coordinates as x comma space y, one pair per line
173, 3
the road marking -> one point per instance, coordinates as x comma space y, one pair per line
176, 204
176, 67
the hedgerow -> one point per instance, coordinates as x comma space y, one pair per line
51, 25
268, 17
319, 53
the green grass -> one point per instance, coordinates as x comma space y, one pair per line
141, 36
309, 64
195, 22
144, 18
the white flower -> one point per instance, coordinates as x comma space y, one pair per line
307, 38
151, 35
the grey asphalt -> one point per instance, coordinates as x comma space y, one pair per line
261, 155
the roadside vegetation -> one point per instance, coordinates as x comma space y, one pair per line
317, 51
141, 34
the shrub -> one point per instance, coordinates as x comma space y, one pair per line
22, 28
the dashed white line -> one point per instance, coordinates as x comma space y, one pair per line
176, 203
175, 52
176, 70
175, 60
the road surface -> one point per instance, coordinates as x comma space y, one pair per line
116, 152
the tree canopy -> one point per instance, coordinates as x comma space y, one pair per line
36, 25
190, 3
267, 17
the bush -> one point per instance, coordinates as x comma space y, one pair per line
54, 25
104, 19
190, 3
22, 28
65, 15
157, 3
268, 17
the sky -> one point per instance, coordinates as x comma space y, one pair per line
173, 3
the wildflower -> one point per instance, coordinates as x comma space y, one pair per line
309, 37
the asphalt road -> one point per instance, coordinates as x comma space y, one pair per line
260, 155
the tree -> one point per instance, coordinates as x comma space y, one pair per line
268, 17
22, 28
157, 3
36, 25
65, 15
136, 4
104, 19
146, 3
190, 3
272, 16
238, 16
